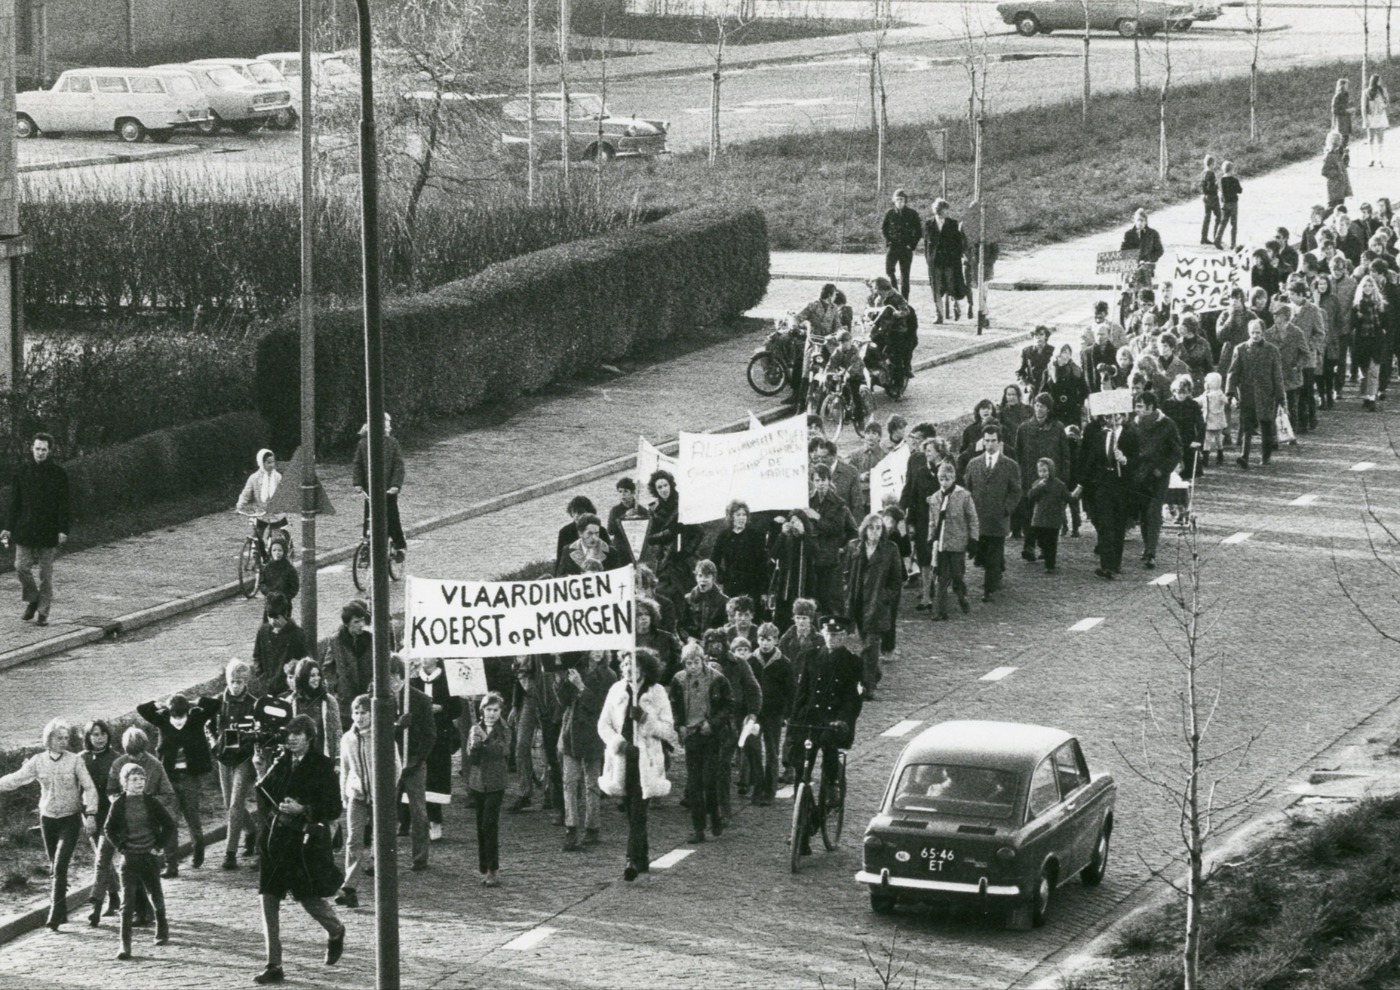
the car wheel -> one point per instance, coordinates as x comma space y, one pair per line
163, 135
25, 127
1093, 873
209, 127
882, 903
1043, 895
130, 131
600, 152
1128, 27
284, 119
1027, 26
243, 127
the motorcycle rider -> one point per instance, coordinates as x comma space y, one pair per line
822, 318
891, 315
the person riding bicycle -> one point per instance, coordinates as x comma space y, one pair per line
257, 495
829, 694
846, 357
819, 318
892, 325
360, 479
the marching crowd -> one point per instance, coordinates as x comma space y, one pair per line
745, 629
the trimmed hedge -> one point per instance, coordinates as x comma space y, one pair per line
523, 324
172, 463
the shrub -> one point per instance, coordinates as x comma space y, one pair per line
204, 241
95, 391
520, 325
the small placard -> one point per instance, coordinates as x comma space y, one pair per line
635, 530
466, 678
1116, 262
1120, 400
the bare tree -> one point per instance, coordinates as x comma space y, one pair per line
1191, 783
564, 88
1383, 543
976, 46
1163, 162
1084, 4
1137, 49
1256, 27
879, 119
731, 17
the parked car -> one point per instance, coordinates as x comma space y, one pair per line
621, 137
234, 102
261, 73
1127, 17
133, 103
994, 813
329, 71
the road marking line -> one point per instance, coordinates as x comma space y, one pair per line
784, 793
670, 859
530, 939
901, 728
999, 673
1363, 466
1237, 537
1308, 499
1164, 580
1084, 625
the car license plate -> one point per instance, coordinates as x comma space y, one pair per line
938, 859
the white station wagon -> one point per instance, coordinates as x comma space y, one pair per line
234, 102
133, 103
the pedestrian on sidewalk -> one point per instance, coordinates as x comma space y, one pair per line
38, 522
393, 461
233, 725
1230, 189
943, 252
279, 575
67, 806
635, 725
488, 750
582, 693
98, 756
902, 229
301, 798
1341, 111
139, 828
279, 642
1210, 201
1334, 169
184, 752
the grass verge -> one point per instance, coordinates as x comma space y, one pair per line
648, 27
1047, 177
1317, 908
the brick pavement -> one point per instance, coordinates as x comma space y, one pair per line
730, 912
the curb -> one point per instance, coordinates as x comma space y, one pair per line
210, 596
1029, 285
114, 158
32, 918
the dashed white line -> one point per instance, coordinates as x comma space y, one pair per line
998, 674
1308, 499
1163, 580
901, 728
1237, 537
670, 859
1363, 466
1084, 625
530, 939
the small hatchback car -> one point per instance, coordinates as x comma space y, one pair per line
993, 813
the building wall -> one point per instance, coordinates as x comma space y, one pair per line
95, 31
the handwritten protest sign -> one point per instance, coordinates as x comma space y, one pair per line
765, 467
649, 461
456, 620
887, 477
1115, 262
635, 532
1119, 400
466, 678
1202, 282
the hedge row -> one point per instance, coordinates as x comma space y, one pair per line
523, 324
166, 464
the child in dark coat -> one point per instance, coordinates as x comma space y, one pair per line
139, 828
1048, 497
488, 747
775, 676
1190, 422
1074, 438
278, 573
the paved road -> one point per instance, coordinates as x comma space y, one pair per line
1300, 668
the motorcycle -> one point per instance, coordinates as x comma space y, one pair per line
837, 406
770, 368
882, 369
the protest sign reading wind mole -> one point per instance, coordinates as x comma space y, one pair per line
1202, 282
455, 619
767, 468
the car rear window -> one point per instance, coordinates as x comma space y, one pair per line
946, 789
111, 84
225, 77
146, 84
263, 72
182, 86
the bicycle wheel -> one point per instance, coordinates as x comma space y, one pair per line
767, 376
395, 565
359, 566
249, 568
833, 414
835, 813
801, 811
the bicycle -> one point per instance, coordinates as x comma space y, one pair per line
838, 405
361, 565
253, 554
829, 806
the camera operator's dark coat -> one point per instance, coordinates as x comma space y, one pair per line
296, 858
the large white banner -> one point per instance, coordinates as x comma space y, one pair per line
887, 477
468, 619
767, 468
649, 461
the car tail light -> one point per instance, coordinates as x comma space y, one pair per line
874, 845
1006, 854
